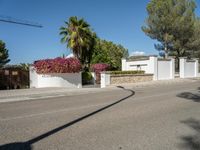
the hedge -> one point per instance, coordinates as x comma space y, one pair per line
126, 72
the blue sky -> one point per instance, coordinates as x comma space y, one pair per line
119, 21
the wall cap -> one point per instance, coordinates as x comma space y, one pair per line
121, 75
153, 55
182, 57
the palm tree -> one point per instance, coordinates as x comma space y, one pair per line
24, 66
79, 38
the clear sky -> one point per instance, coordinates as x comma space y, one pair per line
119, 21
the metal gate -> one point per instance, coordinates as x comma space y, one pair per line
13, 78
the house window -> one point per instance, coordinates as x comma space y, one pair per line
14, 73
6, 72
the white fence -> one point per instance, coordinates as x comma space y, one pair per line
162, 69
189, 68
68, 80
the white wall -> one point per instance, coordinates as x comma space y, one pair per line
149, 65
68, 80
136, 65
162, 69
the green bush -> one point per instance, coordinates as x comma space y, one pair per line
127, 72
86, 77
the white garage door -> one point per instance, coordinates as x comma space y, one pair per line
189, 69
164, 70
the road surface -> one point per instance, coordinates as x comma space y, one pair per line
162, 117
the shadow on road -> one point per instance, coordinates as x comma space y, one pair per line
190, 96
191, 142
27, 145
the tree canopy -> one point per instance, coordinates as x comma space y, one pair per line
3, 54
172, 24
195, 40
109, 53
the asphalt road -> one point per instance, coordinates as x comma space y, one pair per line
165, 117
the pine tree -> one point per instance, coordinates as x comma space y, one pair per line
3, 54
171, 23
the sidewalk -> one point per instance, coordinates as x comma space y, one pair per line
43, 93
158, 82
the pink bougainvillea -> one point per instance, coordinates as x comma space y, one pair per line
57, 65
100, 67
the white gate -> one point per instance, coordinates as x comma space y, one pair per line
164, 69
188, 68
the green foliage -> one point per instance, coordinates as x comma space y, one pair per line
109, 53
24, 66
126, 72
86, 77
3, 54
195, 40
79, 38
171, 22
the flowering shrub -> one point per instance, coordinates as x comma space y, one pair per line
97, 68
57, 65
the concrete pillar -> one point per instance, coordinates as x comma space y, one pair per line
124, 68
93, 77
182, 66
33, 77
196, 67
172, 68
105, 79
153, 64
80, 80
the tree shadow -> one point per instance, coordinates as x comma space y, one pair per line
27, 145
16, 146
190, 96
198, 89
191, 142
